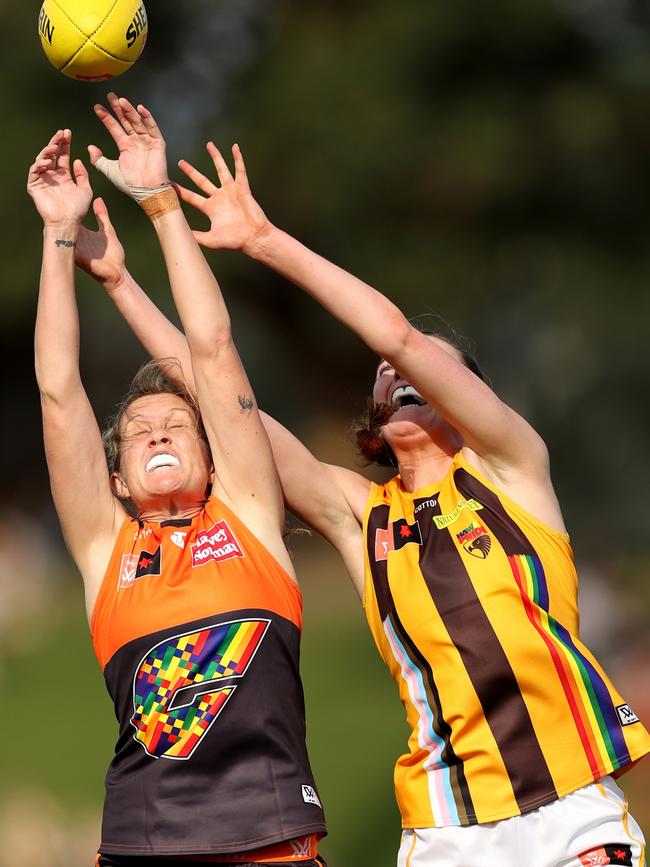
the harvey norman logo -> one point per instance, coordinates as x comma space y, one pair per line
218, 543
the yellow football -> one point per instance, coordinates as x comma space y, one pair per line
92, 40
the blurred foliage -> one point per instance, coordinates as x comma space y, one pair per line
488, 163
485, 163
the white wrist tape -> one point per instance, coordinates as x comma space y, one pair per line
111, 170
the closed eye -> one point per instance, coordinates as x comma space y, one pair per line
136, 432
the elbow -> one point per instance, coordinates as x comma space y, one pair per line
533, 457
53, 396
540, 455
397, 337
212, 345
55, 386
49, 386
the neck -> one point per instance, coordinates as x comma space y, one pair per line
170, 512
417, 470
424, 460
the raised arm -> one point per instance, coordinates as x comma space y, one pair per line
328, 499
494, 431
245, 475
101, 255
88, 512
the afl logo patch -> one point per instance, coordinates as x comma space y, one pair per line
614, 853
397, 535
135, 566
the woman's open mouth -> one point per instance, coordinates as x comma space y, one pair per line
406, 395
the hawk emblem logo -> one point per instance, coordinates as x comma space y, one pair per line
476, 540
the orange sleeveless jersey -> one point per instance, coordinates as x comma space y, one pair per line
472, 603
197, 629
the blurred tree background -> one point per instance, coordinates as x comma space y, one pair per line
485, 162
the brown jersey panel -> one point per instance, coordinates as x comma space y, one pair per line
211, 753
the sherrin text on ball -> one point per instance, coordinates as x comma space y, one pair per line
92, 41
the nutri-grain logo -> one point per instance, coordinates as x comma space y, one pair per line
218, 543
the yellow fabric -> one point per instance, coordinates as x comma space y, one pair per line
472, 603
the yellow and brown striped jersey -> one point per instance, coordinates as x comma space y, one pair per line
472, 603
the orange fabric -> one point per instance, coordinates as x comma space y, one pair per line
296, 850
128, 607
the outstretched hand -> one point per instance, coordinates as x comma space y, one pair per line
236, 220
100, 253
142, 161
59, 197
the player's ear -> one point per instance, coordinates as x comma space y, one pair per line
119, 486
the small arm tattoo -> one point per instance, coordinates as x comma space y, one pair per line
246, 403
61, 243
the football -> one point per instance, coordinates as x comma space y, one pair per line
92, 41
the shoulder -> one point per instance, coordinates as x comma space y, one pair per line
354, 487
529, 488
105, 558
219, 524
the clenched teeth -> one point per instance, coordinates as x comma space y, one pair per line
406, 395
162, 461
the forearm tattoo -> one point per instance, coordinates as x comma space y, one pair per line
246, 403
61, 243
